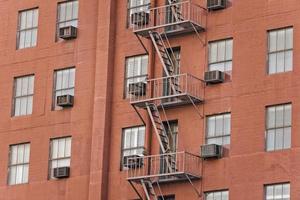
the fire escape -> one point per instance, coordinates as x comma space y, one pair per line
157, 94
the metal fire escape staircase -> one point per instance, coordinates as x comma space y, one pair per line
167, 58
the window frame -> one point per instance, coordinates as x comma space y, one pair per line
275, 184
13, 109
50, 159
281, 127
225, 60
122, 168
27, 29
129, 8
125, 81
279, 51
9, 166
57, 23
216, 191
221, 136
54, 90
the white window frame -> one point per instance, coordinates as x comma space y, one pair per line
62, 157
133, 8
281, 50
271, 188
139, 72
223, 55
23, 94
213, 195
71, 20
18, 163
64, 86
214, 134
134, 147
24, 29
283, 128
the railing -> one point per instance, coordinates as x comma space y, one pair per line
172, 88
160, 17
156, 166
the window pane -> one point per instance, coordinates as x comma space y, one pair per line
272, 41
54, 149
68, 147
272, 63
280, 62
75, 10
19, 174
29, 105
29, 18
227, 124
279, 138
219, 125
213, 52
24, 86
279, 116
61, 148
35, 17
63, 162
217, 66
289, 38
20, 154
229, 49
211, 126
271, 117
26, 153
13, 154
280, 40
288, 115
12, 175
287, 138
221, 51
270, 140
288, 60
25, 174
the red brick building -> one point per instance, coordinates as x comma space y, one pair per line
149, 99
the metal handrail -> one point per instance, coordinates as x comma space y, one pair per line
160, 88
158, 16
155, 165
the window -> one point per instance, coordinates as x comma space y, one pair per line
219, 195
133, 141
27, 28
136, 70
67, 15
23, 95
277, 192
218, 129
60, 153
280, 50
220, 55
278, 127
64, 83
18, 168
135, 6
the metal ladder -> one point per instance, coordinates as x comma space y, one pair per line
161, 136
165, 54
175, 9
149, 189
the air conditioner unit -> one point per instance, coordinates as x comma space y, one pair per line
140, 18
65, 100
68, 32
211, 151
214, 77
216, 4
61, 172
137, 89
133, 161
